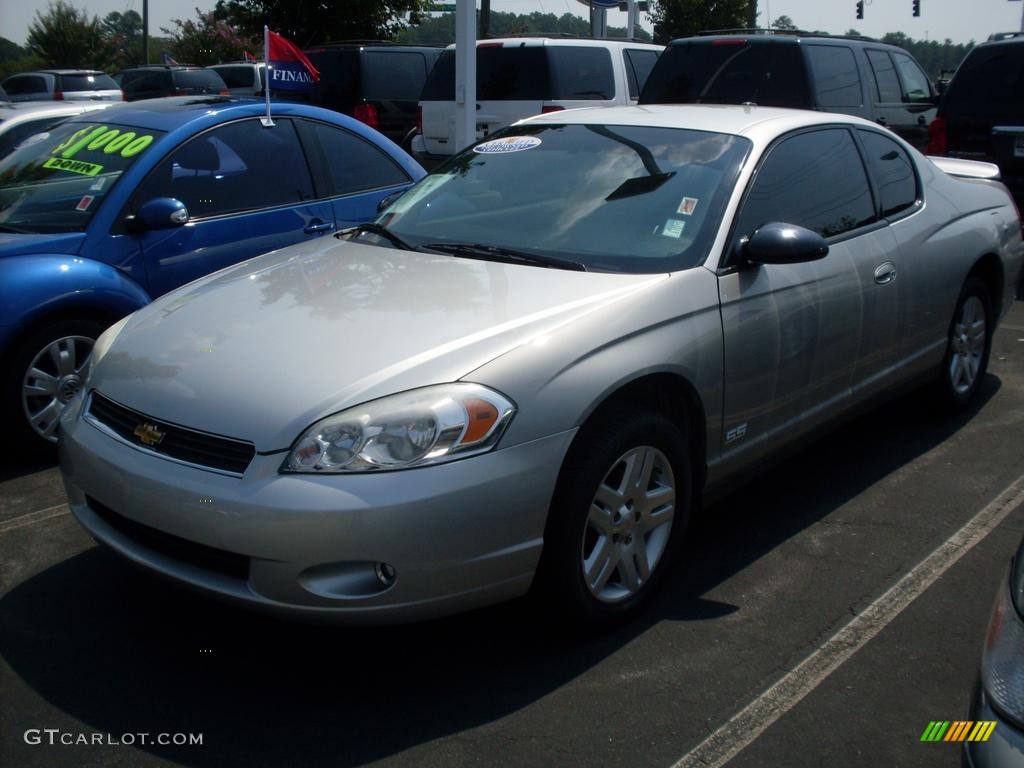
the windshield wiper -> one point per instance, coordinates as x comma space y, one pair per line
376, 229
508, 255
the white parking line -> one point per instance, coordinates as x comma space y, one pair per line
750, 722
33, 517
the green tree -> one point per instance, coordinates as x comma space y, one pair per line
784, 22
683, 18
124, 33
306, 22
65, 36
440, 29
208, 40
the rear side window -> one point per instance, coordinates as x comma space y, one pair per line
836, 80
916, 88
354, 164
502, 74
893, 172
205, 79
639, 64
91, 82
989, 85
885, 77
815, 180
580, 72
729, 71
18, 86
393, 75
237, 77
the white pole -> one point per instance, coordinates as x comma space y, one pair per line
630, 12
465, 73
267, 122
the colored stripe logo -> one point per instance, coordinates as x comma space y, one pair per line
958, 730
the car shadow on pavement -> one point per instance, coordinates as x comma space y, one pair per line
124, 652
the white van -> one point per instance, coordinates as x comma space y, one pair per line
522, 76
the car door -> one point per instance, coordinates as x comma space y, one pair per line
905, 102
248, 190
794, 333
356, 173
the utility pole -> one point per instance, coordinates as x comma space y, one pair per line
485, 18
145, 31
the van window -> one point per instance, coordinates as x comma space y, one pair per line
239, 76
728, 71
639, 63
829, 161
579, 72
206, 79
885, 77
989, 85
22, 84
893, 172
502, 74
836, 81
93, 82
393, 75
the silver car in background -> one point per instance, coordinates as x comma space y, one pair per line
530, 368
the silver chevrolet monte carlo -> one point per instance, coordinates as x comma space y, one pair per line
530, 368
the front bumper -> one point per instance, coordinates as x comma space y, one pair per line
458, 535
1003, 749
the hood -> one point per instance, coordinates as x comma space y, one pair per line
261, 350
17, 244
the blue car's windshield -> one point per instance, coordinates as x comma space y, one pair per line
611, 198
56, 180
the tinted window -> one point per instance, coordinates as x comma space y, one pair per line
639, 64
393, 75
989, 85
354, 164
728, 71
91, 82
241, 76
203, 80
836, 80
579, 72
885, 77
916, 87
238, 167
502, 74
893, 171
615, 198
815, 180
20, 85
339, 76
143, 82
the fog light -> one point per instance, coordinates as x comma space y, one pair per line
385, 574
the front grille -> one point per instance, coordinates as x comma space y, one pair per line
201, 556
201, 448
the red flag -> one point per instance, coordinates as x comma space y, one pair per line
291, 69
249, 57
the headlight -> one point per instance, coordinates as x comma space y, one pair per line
412, 429
1002, 666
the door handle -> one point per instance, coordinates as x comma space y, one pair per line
885, 273
881, 120
921, 121
318, 226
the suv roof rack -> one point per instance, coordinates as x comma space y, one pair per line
783, 32
1003, 36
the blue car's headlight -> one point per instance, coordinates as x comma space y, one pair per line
412, 429
1002, 666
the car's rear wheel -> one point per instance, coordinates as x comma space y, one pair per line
619, 512
968, 346
45, 373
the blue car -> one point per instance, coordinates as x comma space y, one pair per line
111, 209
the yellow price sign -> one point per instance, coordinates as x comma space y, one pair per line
73, 166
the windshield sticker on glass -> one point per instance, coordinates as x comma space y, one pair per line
103, 140
508, 144
673, 228
688, 206
84, 203
97, 186
73, 166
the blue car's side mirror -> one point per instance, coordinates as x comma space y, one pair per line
158, 213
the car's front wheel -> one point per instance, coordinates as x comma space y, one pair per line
618, 514
45, 373
968, 346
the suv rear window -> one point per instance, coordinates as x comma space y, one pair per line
339, 73
239, 76
989, 85
580, 72
87, 82
393, 75
198, 78
728, 71
502, 74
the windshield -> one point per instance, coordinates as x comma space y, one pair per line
612, 198
55, 181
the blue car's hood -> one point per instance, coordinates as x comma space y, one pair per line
15, 244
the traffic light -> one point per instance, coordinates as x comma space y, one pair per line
917, 7
860, 8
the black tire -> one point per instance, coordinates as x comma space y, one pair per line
950, 394
22, 438
560, 584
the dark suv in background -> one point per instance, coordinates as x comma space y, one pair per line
376, 83
152, 82
853, 76
981, 116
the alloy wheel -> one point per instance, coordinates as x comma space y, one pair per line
968, 345
52, 379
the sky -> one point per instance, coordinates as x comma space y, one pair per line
958, 20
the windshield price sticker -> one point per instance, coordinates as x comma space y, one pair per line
103, 139
73, 166
673, 228
508, 144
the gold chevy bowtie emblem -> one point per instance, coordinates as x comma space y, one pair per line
149, 434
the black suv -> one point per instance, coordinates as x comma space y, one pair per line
376, 83
853, 76
154, 81
981, 116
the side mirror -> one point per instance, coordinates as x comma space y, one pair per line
778, 243
158, 213
388, 200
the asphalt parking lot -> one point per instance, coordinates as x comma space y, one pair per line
774, 573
